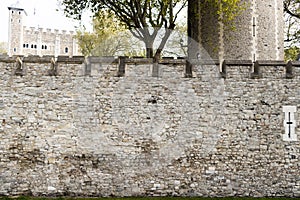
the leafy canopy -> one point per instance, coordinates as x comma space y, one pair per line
108, 38
292, 30
137, 15
145, 18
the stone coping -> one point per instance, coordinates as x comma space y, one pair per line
139, 60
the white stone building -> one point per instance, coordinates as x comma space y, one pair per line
23, 40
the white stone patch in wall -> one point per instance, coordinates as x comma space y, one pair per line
211, 170
50, 188
289, 123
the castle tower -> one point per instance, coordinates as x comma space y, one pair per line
258, 32
23, 40
15, 30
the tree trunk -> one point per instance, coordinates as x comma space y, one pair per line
157, 55
163, 42
193, 34
149, 47
149, 52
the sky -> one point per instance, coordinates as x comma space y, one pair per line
40, 13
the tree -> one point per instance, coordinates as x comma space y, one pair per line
144, 18
292, 53
177, 43
3, 48
292, 7
108, 38
292, 31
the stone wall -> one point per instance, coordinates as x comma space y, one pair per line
256, 33
94, 131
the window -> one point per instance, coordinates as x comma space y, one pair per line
290, 123
44, 47
254, 26
12, 12
27, 45
66, 50
35, 46
19, 13
24, 45
15, 49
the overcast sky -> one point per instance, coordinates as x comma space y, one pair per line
41, 13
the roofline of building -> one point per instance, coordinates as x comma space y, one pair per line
18, 9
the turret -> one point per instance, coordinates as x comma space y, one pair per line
15, 30
257, 33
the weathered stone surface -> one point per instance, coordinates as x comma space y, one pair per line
103, 135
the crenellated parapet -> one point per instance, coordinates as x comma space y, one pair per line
48, 31
25, 40
125, 66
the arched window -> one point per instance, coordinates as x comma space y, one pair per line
24, 45
35, 46
66, 50
32, 46
27, 45
45, 46
42, 46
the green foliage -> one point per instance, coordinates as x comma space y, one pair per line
3, 48
291, 53
146, 18
292, 31
106, 39
137, 16
292, 21
177, 43
109, 38
226, 10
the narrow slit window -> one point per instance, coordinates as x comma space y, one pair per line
254, 27
290, 123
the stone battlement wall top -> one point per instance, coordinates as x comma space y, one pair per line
167, 67
48, 30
